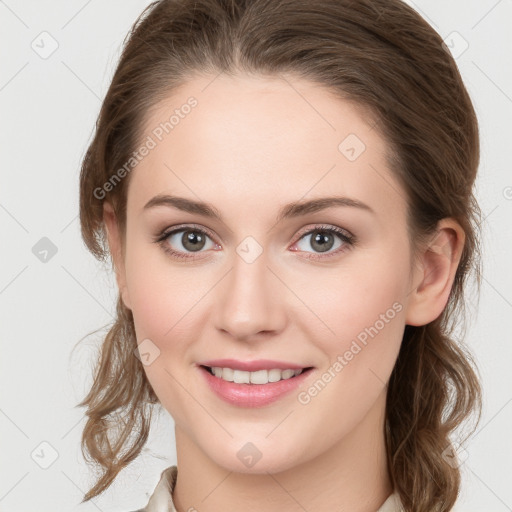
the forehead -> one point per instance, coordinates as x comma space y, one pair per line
255, 140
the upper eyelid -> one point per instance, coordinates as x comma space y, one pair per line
327, 227
176, 229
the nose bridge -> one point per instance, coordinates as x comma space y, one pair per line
248, 301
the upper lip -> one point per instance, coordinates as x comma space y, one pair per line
252, 366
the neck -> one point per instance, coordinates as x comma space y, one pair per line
351, 476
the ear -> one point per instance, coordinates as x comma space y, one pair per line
116, 250
434, 273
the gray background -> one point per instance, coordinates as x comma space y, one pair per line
49, 103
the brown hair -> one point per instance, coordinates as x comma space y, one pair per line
379, 54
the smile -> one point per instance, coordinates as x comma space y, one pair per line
252, 388
257, 377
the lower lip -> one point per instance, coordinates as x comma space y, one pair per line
252, 395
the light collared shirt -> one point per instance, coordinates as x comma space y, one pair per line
161, 499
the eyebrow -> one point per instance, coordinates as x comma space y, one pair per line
288, 211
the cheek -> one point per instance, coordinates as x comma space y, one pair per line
354, 297
168, 309
361, 312
162, 303
365, 317
154, 291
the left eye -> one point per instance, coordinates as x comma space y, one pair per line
194, 239
323, 239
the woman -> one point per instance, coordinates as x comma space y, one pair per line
319, 157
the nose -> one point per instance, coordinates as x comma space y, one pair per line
249, 302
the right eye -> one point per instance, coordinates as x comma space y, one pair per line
186, 239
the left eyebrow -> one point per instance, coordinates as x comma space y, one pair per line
290, 210
299, 208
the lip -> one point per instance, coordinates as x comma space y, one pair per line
252, 366
253, 395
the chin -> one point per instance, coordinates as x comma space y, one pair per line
254, 457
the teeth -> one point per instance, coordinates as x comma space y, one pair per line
258, 377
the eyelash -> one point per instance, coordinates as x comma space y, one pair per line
347, 238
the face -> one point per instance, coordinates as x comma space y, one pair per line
319, 288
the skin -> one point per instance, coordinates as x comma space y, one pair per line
251, 145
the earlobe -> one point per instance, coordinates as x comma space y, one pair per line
115, 247
435, 273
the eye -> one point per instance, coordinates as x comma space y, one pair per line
323, 238
187, 239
